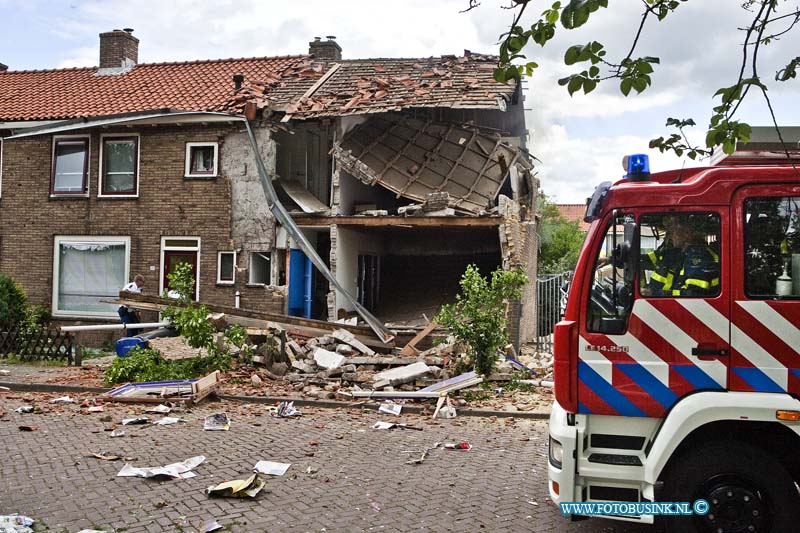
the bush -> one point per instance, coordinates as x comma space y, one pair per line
144, 364
13, 302
478, 318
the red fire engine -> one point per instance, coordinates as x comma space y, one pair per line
677, 363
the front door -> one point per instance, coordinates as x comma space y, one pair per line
653, 335
173, 258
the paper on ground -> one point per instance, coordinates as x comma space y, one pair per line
160, 409
137, 420
271, 468
16, 523
390, 408
383, 425
176, 470
238, 488
168, 420
217, 422
63, 399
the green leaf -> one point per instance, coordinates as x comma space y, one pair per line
572, 54
574, 84
588, 86
594, 71
640, 84
625, 86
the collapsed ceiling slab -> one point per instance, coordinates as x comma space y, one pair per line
413, 158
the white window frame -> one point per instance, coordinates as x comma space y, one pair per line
100, 176
87, 166
165, 248
187, 168
85, 239
221, 281
266, 255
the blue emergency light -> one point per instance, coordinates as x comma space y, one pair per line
637, 167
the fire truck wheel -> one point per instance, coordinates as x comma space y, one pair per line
746, 490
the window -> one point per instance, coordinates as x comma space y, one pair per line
201, 160
611, 293
70, 166
119, 163
680, 255
177, 250
226, 267
87, 270
259, 268
772, 247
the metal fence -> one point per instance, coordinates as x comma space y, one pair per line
551, 297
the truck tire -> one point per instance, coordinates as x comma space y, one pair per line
747, 490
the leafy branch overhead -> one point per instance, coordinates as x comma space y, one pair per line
596, 65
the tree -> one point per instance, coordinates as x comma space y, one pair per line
560, 239
634, 73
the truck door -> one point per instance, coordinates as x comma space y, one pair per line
765, 328
656, 325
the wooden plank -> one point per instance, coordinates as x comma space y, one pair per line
409, 349
388, 221
302, 197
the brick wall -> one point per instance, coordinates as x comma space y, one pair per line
168, 205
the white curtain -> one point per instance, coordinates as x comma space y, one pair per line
89, 272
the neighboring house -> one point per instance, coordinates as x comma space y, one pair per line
574, 213
399, 171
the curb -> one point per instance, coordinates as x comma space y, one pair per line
330, 404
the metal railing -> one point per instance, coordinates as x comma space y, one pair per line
551, 297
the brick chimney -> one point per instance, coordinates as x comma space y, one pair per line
116, 46
329, 49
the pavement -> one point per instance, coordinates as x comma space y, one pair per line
345, 476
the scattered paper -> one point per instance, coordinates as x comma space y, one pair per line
167, 421
390, 408
217, 422
270, 468
160, 409
211, 525
238, 488
16, 523
63, 399
24, 409
390, 425
174, 470
5, 372
133, 421
96, 409
285, 410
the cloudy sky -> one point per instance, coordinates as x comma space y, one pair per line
580, 140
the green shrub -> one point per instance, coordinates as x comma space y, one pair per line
13, 302
144, 364
478, 318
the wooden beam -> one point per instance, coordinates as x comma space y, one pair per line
398, 221
410, 348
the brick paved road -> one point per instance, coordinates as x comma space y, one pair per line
362, 483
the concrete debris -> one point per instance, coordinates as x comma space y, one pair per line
326, 359
403, 374
348, 338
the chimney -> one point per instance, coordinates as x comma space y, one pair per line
3, 67
325, 49
117, 48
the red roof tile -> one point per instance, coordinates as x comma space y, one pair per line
574, 213
189, 86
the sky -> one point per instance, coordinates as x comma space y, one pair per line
579, 141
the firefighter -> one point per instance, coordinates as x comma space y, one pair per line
684, 264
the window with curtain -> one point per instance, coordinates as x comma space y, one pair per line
120, 157
70, 166
87, 273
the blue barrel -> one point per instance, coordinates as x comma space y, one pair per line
126, 344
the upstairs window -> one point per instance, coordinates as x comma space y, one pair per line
70, 166
119, 175
201, 160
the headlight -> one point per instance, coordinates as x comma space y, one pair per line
556, 453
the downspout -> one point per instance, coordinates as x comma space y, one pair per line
283, 217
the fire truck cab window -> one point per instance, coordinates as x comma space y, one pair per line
680, 255
610, 297
772, 247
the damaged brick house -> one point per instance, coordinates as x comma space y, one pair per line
399, 172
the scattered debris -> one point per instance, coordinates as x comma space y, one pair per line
167, 421
212, 525
96, 409
16, 523
255, 380
390, 408
271, 468
285, 410
238, 488
28, 428
424, 455
186, 390
5, 372
328, 360
107, 456
217, 422
63, 399
117, 433
159, 409
403, 374
24, 409
135, 421
458, 446
175, 470
390, 425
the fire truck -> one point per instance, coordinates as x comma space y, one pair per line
677, 362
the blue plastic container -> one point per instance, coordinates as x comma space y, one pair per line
126, 344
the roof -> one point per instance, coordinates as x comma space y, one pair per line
381, 85
574, 213
303, 87
189, 86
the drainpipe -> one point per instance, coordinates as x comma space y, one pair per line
237, 299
